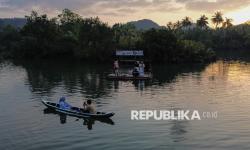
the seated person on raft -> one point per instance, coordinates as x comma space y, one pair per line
88, 107
135, 72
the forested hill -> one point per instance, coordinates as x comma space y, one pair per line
15, 22
145, 24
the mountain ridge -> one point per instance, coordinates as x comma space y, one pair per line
15, 22
145, 24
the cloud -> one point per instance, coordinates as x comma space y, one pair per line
120, 9
91, 7
214, 5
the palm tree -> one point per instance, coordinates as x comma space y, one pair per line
186, 22
227, 23
202, 21
170, 25
217, 19
177, 25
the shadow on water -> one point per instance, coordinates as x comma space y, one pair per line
167, 74
178, 128
90, 79
234, 55
163, 75
88, 122
43, 77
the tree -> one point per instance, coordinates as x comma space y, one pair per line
69, 17
126, 35
9, 37
39, 36
177, 25
40, 26
217, 19
193, 51
96, 40
227, 23
186, 22
170, 26
202, 22
70, 22
159, 45
1, 23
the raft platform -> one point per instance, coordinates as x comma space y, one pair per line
128, 77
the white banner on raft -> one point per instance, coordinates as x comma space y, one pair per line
129, 53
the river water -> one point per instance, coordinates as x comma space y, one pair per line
221, 87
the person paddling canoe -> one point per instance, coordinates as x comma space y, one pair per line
88, 107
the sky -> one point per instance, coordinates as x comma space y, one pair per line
121, 11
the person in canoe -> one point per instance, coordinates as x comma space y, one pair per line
116, 67
88, 107
63, 104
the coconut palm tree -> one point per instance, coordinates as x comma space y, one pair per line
202, 21
177, 25
227, 23
170, 25
186, 22
217, 19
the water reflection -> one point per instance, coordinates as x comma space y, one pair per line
88, 122
139, 84
116, 84
178, 130
90, 79
43, 77
169, 73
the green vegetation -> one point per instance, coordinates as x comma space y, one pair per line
71, 36
217, 19
202, 22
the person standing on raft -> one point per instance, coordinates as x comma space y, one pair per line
116, 67
141, 68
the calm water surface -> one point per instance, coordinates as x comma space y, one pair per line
222, 86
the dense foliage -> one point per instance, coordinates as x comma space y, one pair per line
69, 35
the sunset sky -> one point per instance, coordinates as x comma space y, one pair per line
113, 11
